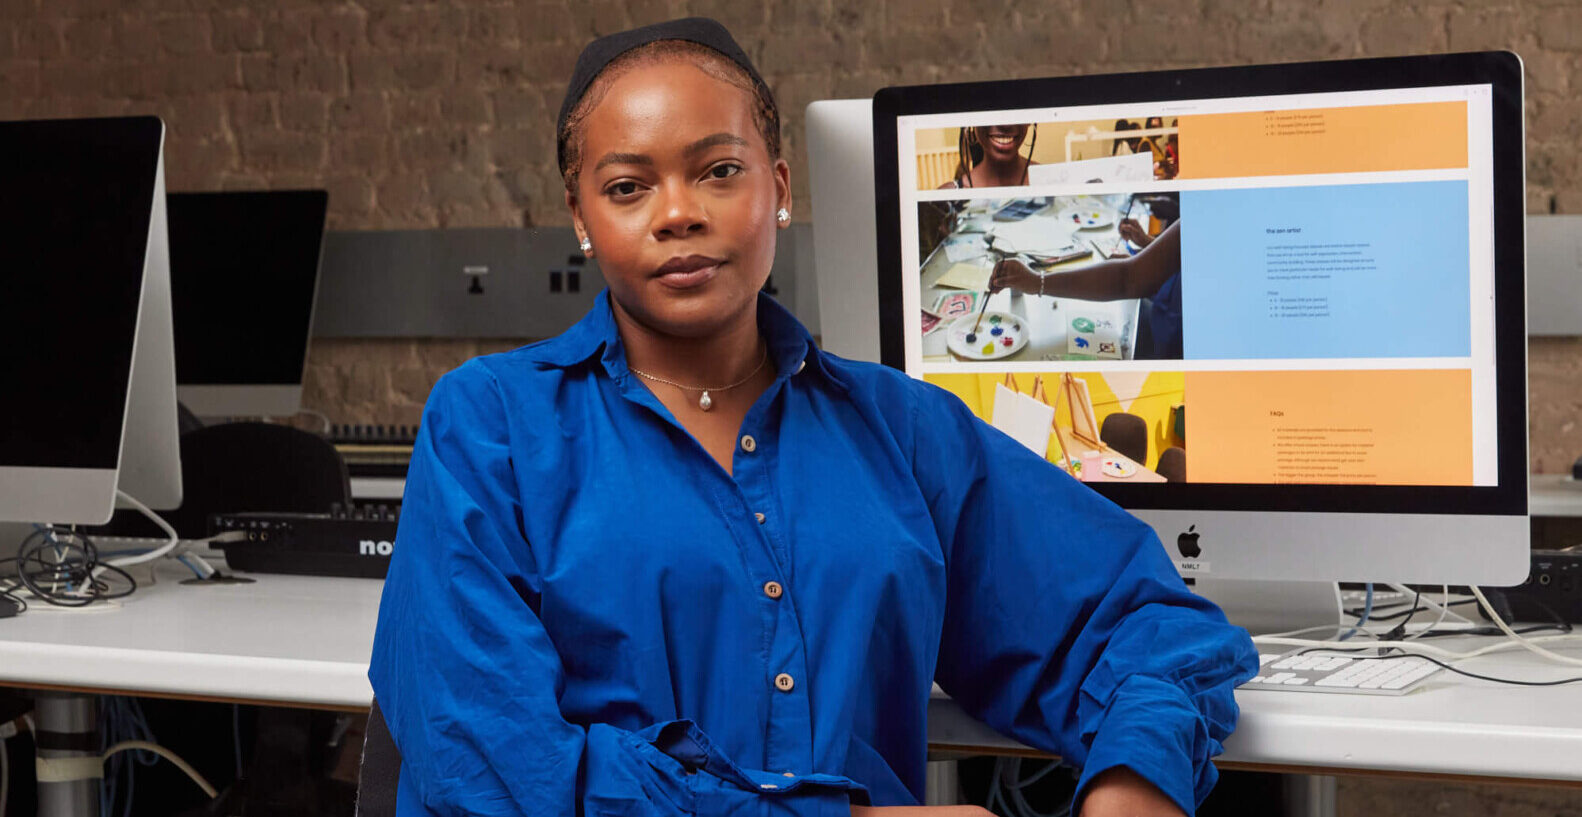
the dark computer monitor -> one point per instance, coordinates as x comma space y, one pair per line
244, 271
1324, 377
87, 392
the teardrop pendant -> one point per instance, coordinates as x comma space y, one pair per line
705, 402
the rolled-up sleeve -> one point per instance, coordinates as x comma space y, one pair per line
1066, 625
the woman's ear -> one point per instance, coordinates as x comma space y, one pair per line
577, 224
782, 172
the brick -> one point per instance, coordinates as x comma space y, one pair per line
1559, 118
800, 14
414, 109
443, 148
352, 152
177, 76
491, 66
308, 72
540, 22
270, 151
306, 112
825, 49
1285, 40
416, 27
464, 106
184, 35
494, 25
1485, 30
196, 117
596, 18
742, 18
288, 34
411, 384
1403, 32
39, 40
514, 148
550, 62
251, 112
406, 71
85, 39
193, 164
351, 193
339, 31
401, 192
520, 106
236, 31
453, 187
1560, 29
360, 111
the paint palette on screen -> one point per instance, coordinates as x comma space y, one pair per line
998, 335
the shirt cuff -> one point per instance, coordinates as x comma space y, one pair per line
1152, 728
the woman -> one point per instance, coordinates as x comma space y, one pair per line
992, 156
679, 561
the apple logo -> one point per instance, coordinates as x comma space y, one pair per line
1187, 542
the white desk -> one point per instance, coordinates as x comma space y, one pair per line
305, 641
283, 641
1452, 726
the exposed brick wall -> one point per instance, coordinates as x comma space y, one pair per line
439, 113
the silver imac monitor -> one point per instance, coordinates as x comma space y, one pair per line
86, 359
244, 274
1275, 311
840, 167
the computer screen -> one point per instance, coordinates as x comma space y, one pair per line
85, 356
244, 270
1281, 305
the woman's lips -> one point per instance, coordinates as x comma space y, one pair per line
688, 272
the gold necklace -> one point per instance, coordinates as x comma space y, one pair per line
705, 402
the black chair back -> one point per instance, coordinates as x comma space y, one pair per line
1172, 464
381, 769
1126, 433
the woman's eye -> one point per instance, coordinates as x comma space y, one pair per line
724, 171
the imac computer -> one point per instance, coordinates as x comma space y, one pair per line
1277, 312
244, 269
86, 361
840, 173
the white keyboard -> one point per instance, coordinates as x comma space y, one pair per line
1335, 672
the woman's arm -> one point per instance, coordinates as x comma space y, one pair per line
1066, 625
1137, 277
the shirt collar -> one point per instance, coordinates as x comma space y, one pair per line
790, 344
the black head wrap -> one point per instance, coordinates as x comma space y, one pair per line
603, 51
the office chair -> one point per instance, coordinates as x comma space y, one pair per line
1126, 433
256, 467
1172, 464
245, 466
381, 769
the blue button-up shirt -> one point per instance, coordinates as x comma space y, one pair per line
579, 615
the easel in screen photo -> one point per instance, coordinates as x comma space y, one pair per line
1084, 426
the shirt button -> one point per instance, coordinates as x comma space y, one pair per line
773, 590
749, 444
759, 517
784, 682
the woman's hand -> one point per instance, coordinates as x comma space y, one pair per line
920, 811
1011, 274
1121, 792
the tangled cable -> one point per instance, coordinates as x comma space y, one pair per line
62, 567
